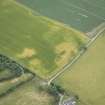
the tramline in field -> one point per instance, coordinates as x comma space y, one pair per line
83, 15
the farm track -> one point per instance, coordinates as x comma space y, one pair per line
76, 58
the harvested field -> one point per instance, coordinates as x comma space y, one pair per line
86, 78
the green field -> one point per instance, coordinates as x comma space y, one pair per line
4, 73
28, 94
45, 46
87, 77
83, 15
4, 86
35, 41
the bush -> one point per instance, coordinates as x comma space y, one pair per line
56, 89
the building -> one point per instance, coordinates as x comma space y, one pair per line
70, 101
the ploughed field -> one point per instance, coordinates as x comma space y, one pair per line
40, 44
86, 78
83, 15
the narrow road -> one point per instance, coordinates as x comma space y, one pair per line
67, 66
61, 99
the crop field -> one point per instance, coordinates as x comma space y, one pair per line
83, 15
28, 94
35, 41
40, 40
86, 78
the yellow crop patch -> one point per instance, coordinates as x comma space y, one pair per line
27, 53
64, 51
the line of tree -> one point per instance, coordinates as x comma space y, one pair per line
7, 63
13, 66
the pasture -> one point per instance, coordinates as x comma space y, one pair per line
38, 43
5, 73
28, 94
8, 85
83, 15
86, 77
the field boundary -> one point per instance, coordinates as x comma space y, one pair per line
13, 88
17, 70
76, 58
